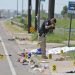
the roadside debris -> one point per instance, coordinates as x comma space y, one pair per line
57, 50
1, 56
11, 39
70, 72
36, 51
60, 59
38, 69
24, 56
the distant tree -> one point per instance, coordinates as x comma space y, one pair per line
64, 11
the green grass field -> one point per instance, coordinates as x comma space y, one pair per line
60, 34
65, 23
71, 55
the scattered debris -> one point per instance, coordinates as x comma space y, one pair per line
21, 38
24, 57
36, 51
22, 60
10, 55
44, 61
44, 64
11, 39
38, 69
35, 66
32, 62
25, 63
1, 56
70, 72
60, 59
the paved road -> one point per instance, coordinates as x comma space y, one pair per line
10, 66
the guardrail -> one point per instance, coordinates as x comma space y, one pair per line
17, 23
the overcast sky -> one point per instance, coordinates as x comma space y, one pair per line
11, 4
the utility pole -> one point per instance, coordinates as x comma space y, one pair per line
29, 15
22, 12
51, 7
42, 7
36, 14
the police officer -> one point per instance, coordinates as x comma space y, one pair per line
44, 29
47, 26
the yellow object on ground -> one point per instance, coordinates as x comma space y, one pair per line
1, 57
26, 56
50, 56
54, 67
61, 52
32, 29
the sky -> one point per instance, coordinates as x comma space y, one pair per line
12, 4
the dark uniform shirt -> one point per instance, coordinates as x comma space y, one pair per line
42, 29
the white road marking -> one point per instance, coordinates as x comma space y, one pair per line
8, 58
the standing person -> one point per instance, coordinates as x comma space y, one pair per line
44, 29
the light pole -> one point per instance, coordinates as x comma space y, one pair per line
29, 15
22, 12
38, 15
51, 9
36, 12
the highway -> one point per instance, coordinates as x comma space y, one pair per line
9, 64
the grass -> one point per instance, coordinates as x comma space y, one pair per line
61, 34
64, 23
71, 55
55, 38
13, 28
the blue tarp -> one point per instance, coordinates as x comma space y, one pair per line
39, 51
